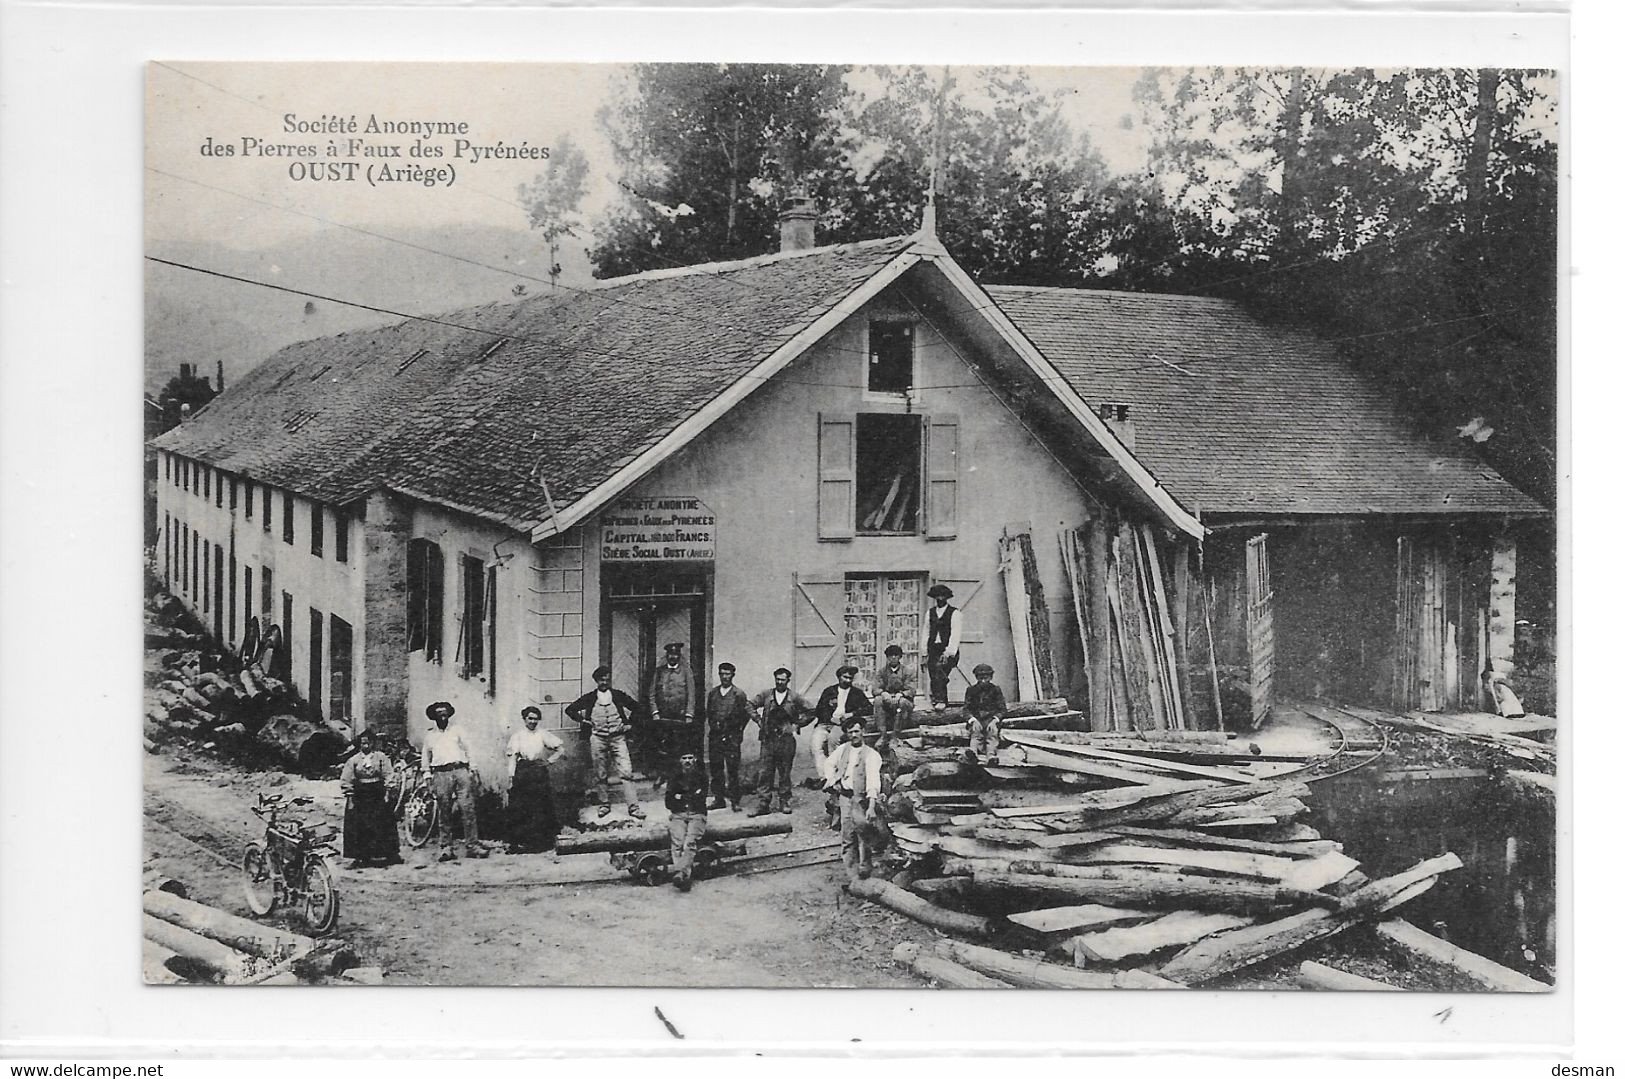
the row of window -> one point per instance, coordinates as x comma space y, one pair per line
201, 480
187, 573
474, 651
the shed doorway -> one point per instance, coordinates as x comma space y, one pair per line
648, 609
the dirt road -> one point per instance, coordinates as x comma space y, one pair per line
497, 922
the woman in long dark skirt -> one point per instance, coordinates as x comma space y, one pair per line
533, 823
369, 822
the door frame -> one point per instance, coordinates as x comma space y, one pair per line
702, 601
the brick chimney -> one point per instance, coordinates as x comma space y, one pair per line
797, 221
1115, 413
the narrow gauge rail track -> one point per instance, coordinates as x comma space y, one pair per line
1359, 743
199, 832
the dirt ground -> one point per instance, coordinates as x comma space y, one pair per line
537, 919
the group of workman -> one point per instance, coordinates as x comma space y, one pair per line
842, 723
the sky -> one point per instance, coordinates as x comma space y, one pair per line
251, 199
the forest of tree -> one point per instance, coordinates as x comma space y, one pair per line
1411, 216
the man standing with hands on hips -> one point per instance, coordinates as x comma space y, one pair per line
941, 643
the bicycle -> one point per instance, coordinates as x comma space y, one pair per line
415, 802
293, 863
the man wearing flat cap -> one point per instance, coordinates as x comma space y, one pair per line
984, 705
780, 713
836, 705
671, 698
941, 649
446, 756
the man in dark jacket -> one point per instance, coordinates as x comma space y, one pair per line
984, 702
781, 712
836, 705
727, 714
685, 798
608, 714
672, 699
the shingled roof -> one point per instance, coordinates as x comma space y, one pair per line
578, 386
1236, 416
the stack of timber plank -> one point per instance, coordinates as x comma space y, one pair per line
1132, 621
1141, 857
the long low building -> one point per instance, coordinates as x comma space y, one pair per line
770, 461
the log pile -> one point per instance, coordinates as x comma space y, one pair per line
190, 943
1150, 858
204, 697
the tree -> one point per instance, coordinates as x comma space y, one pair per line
183, 395
552, 201
708, 153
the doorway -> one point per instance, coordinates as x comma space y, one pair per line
648, 609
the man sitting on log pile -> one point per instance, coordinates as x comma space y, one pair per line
896, 695
854, 778
984, 705
685, 798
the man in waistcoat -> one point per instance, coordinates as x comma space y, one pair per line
941, 643
781, 712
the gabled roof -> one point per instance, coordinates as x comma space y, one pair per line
582, 392
1239, 417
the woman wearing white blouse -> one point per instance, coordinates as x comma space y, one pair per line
533, 823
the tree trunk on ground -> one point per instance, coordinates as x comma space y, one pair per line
656, 836
1482, 972
1319, 976
1037, 974
238, 933
890, 896
943, 971
224, 962
1128, 886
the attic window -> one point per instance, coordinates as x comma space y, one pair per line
891, 357
410, 360
282, 378
493, 348
1112, 411
325, 368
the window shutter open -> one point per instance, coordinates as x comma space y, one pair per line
942, 478
837, 475
817, 623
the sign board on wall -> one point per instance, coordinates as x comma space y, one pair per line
660, 528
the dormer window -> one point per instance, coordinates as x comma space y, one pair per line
891, 356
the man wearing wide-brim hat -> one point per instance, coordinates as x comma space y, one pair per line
941, 645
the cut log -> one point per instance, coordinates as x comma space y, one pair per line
1165, 806
1077, 919
155, 968
306, 746
1042, 840
894, 898
657, 836
933, 889
223, 962
1077, 808
1209, 959
907, 758
1182, 837
943, 971
1320, 976
239, 933
1270, 810
938, 774
1034, 753
1181, 927
1133, 886
1037, 974
1482, 972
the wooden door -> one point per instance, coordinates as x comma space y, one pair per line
1260, 629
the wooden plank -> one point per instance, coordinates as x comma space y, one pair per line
1320, 976
1038, 752
1167, 806
1205, 771
1165, 628
1179, 927
1040, 839
1120, 798
1482, 972
1181, 836
1077, 919
1140, 664
1130, 886
1100, 652
1228, 862
1215, 957
1315, 873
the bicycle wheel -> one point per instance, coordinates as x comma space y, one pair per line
321, 897
420, 815
259, 880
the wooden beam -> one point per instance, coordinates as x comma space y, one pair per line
1179, 927
1022, 738
889, 895
1482, 972
1100, 652
1320, 976
1037, 974
1076, 919
945, 972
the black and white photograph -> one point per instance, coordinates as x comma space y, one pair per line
765, 525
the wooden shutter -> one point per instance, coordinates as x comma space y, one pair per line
837, 475
942, 477
817, 625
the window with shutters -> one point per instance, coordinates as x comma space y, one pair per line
208, 477
265, 508
341, 648
471, 629
341, 536
287, 517
425, 585
220, 490
316, 529
248, 500
888, 452
313, 689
